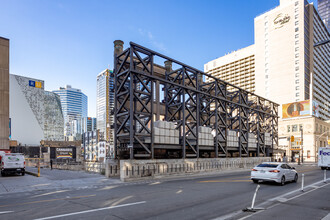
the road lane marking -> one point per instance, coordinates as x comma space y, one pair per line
4, 212
46, 194
327, 217
91, 210
224, 181
49, 200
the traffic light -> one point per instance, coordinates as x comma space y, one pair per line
292, 138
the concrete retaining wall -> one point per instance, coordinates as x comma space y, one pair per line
131, 170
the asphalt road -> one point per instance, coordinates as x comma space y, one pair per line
209, 197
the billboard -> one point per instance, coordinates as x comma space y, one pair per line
300, 109
64, 153
315, 109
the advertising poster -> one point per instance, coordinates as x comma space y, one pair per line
64, 153
315, 109
296, 109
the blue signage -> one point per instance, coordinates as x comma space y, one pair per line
32, 83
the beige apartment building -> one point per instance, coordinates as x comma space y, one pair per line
4, 93
237, 68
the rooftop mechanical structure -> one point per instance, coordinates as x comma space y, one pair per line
152, 90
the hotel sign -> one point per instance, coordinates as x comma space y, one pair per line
280, 20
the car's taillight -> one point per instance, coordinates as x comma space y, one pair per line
254, 170
24, 164
274, 171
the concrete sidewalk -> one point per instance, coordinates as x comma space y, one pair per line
53, 179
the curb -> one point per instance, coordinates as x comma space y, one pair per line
32, 174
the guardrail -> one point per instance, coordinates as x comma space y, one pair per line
131, 170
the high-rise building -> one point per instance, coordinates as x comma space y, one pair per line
88, 124
237, 68
35, 114
288, 68
105, 104
4, 93
323, 7
74, 107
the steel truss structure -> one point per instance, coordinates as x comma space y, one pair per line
189, 102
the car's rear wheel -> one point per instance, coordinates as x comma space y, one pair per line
282, 181
255, 181
323, 168
3, 173
295, 178
23, 173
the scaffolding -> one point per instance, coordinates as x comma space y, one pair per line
147, 90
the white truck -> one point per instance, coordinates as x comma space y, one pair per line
11, 163
324, 157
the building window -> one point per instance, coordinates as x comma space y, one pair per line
289, 128
297, 62
296, 29
297, 68
296, 49
296, 23
297, 81
297, 94
296, 42
300, 127
297, 74
297, 36
266, 76
296, 16
297, 87
297, 55
296, 3
294, 128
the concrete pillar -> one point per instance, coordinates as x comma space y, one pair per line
4, 93
118, 47
168, 65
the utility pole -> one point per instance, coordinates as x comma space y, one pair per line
39, 161
302, 144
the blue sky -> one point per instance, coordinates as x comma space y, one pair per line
68, 42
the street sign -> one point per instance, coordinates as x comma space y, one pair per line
130, 146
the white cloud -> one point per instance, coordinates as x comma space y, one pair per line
152, 40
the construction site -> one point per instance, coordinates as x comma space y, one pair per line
164, 109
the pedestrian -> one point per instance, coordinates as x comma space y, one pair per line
285, 159
51, 164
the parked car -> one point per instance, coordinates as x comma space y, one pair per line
274, 172
11, 163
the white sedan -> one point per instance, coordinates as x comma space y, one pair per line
274, 172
